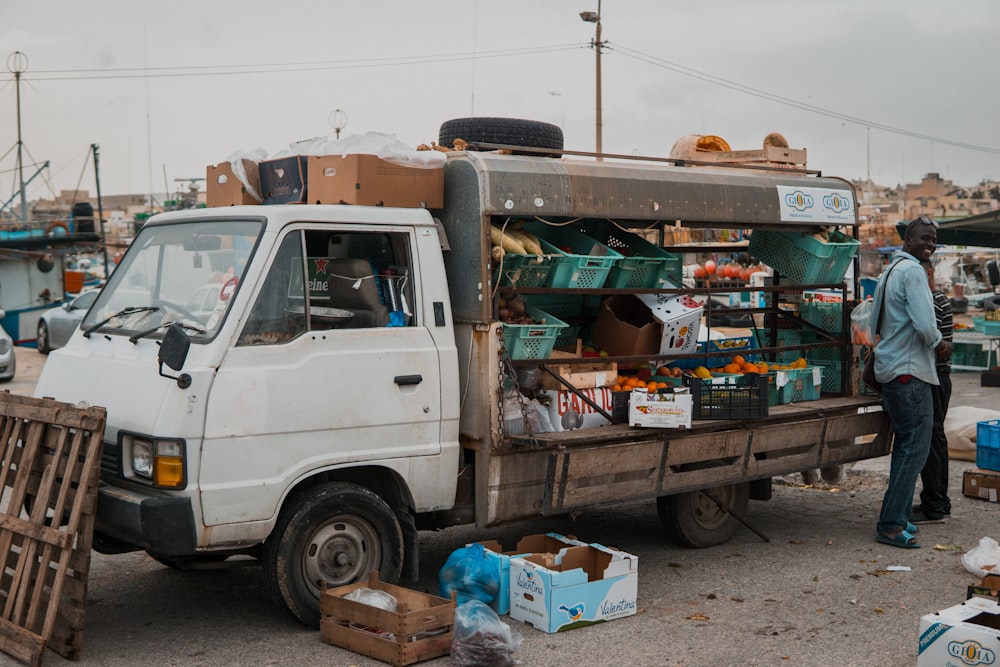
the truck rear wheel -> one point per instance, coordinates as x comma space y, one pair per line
335, 534
508, 131
694, 520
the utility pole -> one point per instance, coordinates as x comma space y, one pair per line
598, 46
100, 209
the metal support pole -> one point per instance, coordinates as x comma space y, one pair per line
100, 209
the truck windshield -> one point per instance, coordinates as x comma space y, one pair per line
185, 272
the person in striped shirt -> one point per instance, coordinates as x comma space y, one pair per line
935, 504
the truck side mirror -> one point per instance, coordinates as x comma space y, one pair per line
173, 352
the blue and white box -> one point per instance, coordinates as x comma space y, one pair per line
548, 543
579, 586
963, 635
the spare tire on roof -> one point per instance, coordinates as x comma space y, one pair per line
506, 131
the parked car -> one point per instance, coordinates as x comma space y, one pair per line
8, 362
56, 325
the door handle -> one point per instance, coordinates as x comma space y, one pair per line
403, 380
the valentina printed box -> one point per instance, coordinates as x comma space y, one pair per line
576, 587
549, 543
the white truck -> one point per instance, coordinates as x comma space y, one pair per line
342, 388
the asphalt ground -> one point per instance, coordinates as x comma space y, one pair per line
819, 592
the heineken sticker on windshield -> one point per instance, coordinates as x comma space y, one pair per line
816, 205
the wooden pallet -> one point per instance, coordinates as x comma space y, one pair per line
50, 454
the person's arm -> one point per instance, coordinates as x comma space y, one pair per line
920, 306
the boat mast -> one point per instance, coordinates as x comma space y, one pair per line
17, 63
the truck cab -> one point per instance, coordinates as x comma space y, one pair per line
312, 379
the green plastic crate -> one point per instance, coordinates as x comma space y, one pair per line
831, 374
524, 270
801, 385
643, 264
803, 258
533, 341
575, 266
827, 315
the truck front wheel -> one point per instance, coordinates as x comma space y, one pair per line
335, 534
694, 520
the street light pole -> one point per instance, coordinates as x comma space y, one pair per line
597, 45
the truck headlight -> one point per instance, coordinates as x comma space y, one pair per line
159, 461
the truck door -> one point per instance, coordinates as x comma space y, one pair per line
335, 364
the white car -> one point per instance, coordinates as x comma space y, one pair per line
8, 362
56, 325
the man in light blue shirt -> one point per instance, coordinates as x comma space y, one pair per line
906, 354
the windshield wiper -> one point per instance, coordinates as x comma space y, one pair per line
127, 310
142, 334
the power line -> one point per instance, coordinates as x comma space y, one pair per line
739, 87
266, 68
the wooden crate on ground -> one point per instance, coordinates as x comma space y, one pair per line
419, 629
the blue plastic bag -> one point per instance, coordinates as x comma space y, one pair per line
470, 574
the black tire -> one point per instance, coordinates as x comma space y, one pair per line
507, 131
43, 337
334, 533
694, 520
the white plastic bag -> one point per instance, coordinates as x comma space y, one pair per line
861, 325
985, 555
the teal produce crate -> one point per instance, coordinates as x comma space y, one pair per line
988, 444
971, 354
575, 265
745, 346
831, 374
524, 270
827, 315
578, 312
803, 258
801, 384
643, 265
533, 341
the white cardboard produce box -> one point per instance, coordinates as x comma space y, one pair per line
526, 546
681, 320
578, 586
660, 410
961, 636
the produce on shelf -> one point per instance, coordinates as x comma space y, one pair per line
513, 310
513, 240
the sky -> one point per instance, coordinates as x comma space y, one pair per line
890, 90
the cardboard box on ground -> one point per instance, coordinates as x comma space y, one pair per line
548, 543
578, 586
982, 484
966, 634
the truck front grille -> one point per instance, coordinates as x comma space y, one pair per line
111, 460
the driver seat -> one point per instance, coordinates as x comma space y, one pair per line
353, 288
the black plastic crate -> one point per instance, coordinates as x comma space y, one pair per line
731, 401
620, 402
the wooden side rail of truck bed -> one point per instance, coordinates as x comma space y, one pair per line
557, 472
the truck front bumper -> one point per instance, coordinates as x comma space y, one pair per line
162, 525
